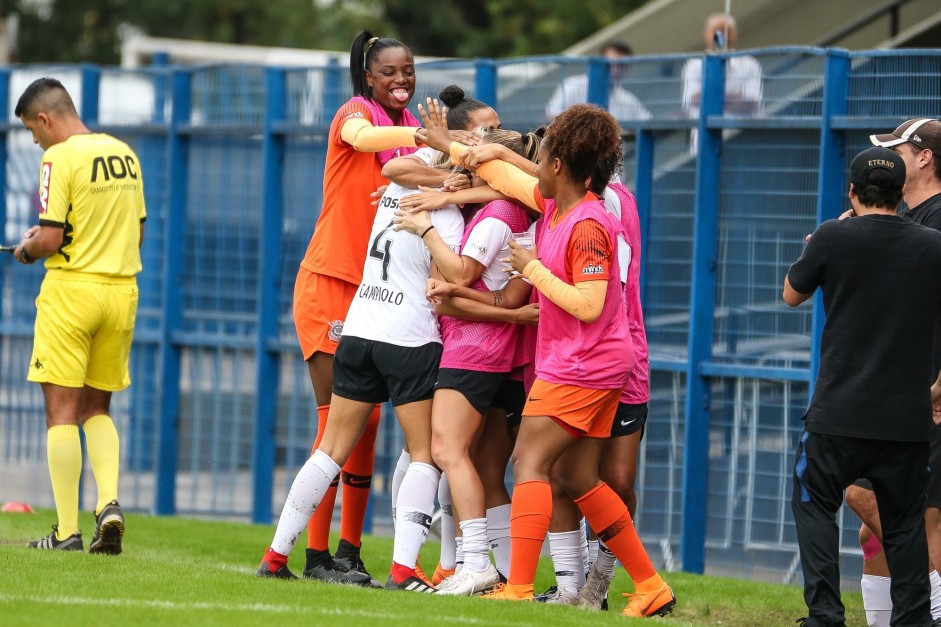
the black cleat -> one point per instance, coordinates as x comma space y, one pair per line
109, 529
411, 584
348, 560
53, 543
265, 571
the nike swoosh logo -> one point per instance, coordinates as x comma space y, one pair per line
624, 423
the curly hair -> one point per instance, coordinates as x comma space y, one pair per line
587, 140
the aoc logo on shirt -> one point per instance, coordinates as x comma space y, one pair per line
115, 167
354, 114
592, 269
45, 176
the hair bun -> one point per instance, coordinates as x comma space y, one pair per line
451, 96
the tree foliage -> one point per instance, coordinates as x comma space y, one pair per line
90, 30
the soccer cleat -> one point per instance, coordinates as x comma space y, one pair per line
334, 573
557, 596
264, 571
594, 593
410, 584
348, 560
660, 601
509, 592
469, 582
420, 572
542, 597
53, 543
109, 529
441, 574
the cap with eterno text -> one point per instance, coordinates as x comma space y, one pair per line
872, 160
922, 132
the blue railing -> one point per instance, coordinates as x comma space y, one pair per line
220, 413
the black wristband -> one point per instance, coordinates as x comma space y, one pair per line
425, 232
26, 258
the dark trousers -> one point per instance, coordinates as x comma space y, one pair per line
898, 471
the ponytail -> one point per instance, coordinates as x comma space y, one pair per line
364, 51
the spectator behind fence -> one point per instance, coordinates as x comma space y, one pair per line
870, 416
622, 104
742, 74
91, 225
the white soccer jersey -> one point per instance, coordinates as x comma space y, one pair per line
488, 245
612, 203
390, 304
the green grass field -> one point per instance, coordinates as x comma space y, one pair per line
178, 571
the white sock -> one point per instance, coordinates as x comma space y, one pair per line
498, 534
413, 512
605, 561
586, 551
566, 551
592, 553
935, 594
876, 600
458, 554
310, 484
448, 531
401, 467
474, 533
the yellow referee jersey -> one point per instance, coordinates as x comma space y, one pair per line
91, 186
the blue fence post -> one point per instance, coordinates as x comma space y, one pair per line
4, 151
267, 354
485, 81
643, 194
333, 77
831, 180
702, 310
172, 298
599, 81
91, 83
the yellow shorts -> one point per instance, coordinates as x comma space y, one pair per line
83, 333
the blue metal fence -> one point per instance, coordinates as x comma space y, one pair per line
221, 414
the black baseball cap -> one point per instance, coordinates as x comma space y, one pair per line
922, 132
873, 159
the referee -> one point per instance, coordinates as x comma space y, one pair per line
91, 225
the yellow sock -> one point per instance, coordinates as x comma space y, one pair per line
104, 453
64, 453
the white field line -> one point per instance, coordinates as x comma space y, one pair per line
240, 607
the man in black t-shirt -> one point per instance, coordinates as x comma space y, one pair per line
870, 415
918, 143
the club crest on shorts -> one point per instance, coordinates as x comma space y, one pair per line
336, 330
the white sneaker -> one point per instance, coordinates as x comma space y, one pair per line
468, 582
559, 596
593, 593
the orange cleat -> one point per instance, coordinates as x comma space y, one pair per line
650, 598
441, 574
510, 592
420, 573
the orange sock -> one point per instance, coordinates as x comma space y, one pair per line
357, 482
530, 513
318, 529
607, 514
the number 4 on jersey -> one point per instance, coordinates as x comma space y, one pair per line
384, 255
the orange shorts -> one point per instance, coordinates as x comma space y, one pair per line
581, 411
320, 306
